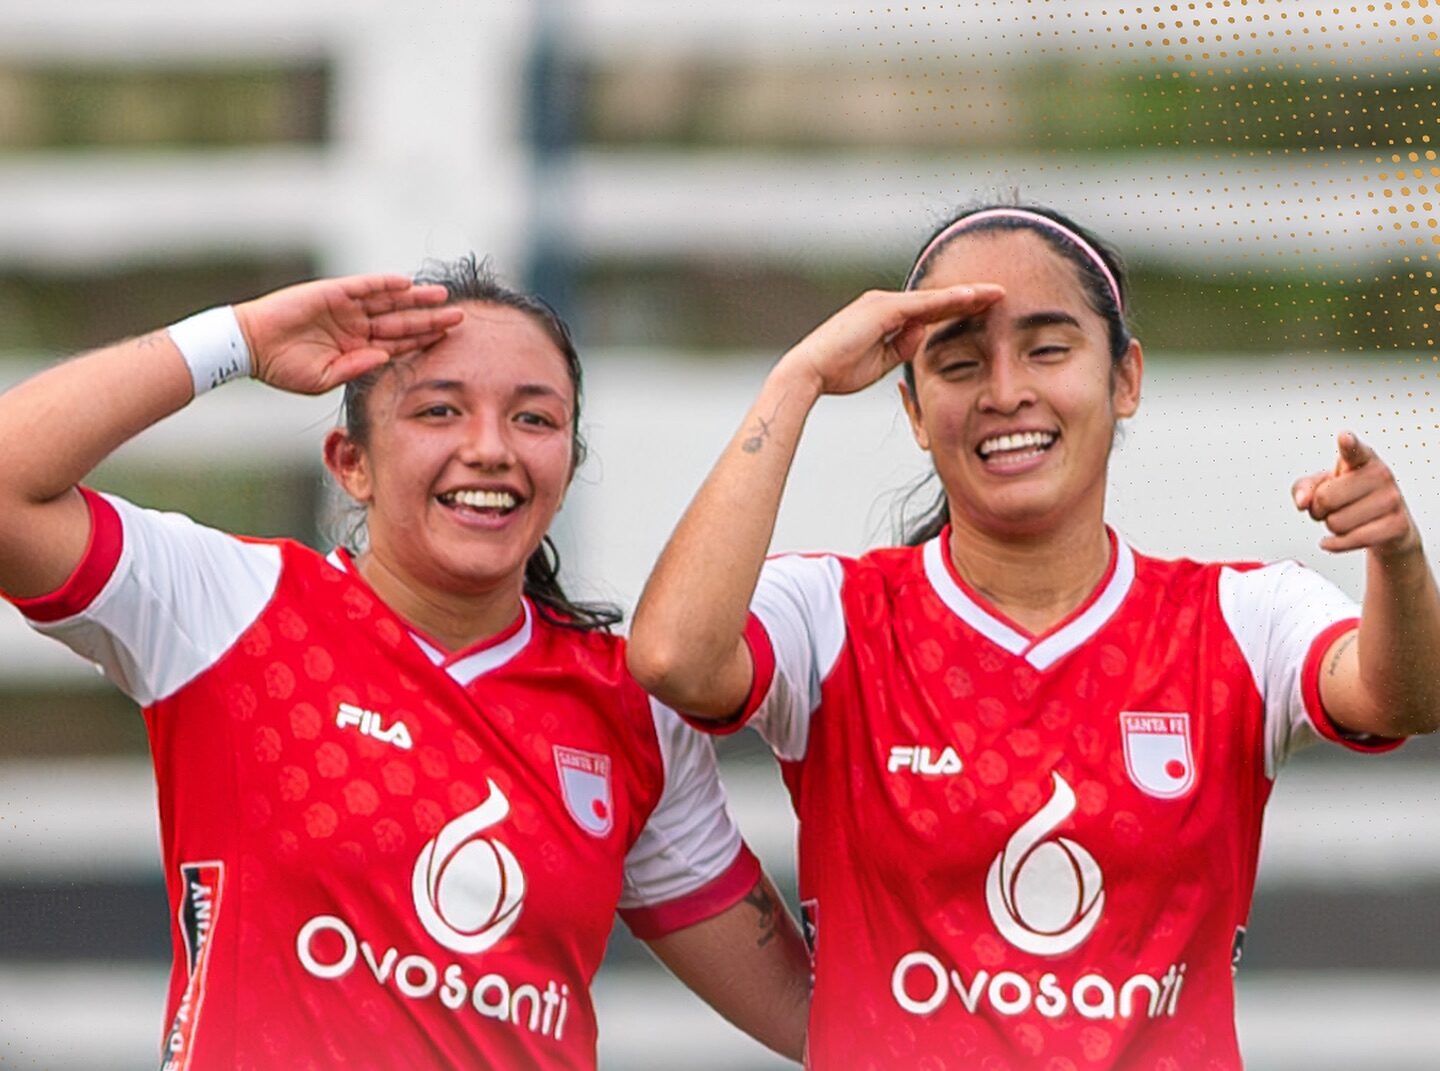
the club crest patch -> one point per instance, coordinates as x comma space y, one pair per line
585, 787
1158, 755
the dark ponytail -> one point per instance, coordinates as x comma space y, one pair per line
470, 279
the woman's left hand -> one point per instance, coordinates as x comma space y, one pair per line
1360, 502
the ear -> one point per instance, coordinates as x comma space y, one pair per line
349, 464
1125, 391
912, 410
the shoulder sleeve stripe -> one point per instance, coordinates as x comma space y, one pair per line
721, 893
1283, 617
689, 839
176, 599
800, 606
1315, 707
762, 654
762, 657
91, 574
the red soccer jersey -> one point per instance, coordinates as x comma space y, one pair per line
1028, 851
380, 855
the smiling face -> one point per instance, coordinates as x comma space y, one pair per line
1017, 405
467, 457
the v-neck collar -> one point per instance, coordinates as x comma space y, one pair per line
468, 663
1044, 650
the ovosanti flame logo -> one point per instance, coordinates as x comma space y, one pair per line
468, 888
1045, 894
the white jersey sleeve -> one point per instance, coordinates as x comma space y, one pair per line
1284, 618
798, 604
158, 598
688, 862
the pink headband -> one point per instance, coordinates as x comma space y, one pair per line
1030, 217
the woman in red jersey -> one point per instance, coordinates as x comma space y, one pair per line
402, 793
1029, 763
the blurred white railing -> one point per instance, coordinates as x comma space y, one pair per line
429, 155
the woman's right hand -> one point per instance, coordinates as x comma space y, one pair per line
878, 331
314, 336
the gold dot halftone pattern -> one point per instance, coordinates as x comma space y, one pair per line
1301, 134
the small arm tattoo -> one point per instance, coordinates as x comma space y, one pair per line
150, 341
1340, 649
756, 440
760, 899
753, 444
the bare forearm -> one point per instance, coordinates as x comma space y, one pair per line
685, 643
687, 639
1398, 648
82, 410
749, 963
54, 429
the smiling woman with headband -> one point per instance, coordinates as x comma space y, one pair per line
1029, 762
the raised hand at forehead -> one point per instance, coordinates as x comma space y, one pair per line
880, 330
315, 336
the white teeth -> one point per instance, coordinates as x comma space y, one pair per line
1022, 440
502, 500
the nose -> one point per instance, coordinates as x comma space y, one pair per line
1007, 387
486, 442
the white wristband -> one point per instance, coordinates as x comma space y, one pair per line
213, 346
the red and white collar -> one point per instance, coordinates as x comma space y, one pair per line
1045, 650
465, 665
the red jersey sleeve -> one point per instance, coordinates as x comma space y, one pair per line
1320, 718
91, 573
688, 863
1284, 618
157, 598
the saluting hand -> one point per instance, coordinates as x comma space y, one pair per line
315, 336
880, 330
1360, 503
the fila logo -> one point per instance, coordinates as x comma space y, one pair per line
372, 725
923, 761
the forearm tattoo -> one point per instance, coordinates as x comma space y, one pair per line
753, 443
760, 899
1340, 649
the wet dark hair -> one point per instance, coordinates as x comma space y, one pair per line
470, 279
1093, 284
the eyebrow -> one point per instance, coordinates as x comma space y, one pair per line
524, 390
531, 390
1050, 318
434, 385
960, 328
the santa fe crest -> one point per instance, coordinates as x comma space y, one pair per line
1158, 756
585, 785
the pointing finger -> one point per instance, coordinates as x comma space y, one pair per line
1353, 452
